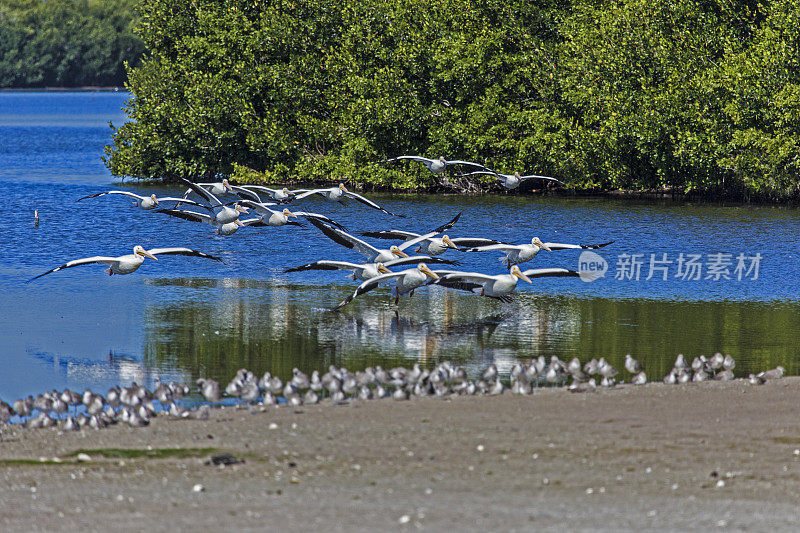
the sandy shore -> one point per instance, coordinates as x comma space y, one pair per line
682, 457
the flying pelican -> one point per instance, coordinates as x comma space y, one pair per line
367, 271
373, 255
435, 165
501, 286
406, 281
125, 264
223, 214
145, 202
338, 194
279, 218
520, 253
512, 181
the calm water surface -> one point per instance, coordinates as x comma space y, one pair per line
184, 317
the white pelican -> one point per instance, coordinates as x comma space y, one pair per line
367, 271
435, 165
520, 253
227, 228
223, 214
125, 264
500, 286
279, 218
512, 181
406, 282
373, 255
145, 202
338, 194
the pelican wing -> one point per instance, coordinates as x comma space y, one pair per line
472, 277
391, 234
473, 241
550, 273
126, 193
245, 194
466, 163
255, 222
534, 176
210, 198
326, 265
183, 251
322, 218
501, 247
559, 246
370, 203
182, 201
414, 259
410, 157
186, 215
309, 192
368, 286
78, 262
345, 239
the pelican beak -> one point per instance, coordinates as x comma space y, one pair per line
148, 254
398, 252
288, 213
424, 268
515, 271
383, 270
449, 243
540, 244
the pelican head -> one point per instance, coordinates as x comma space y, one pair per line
287, 192
241, 208
422, 267
516, 175
238, 223
398, 252
288, 213
139, 250
342, 187
442, 159
153, 197
537, 242
226, 185
448, 242
515, 271
382, 269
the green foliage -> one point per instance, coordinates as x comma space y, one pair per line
66, 43
679, 95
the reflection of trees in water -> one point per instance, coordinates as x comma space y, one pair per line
264, 326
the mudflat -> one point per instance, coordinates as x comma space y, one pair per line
661, 457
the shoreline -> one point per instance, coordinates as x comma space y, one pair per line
667, 457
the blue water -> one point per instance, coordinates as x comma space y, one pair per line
181, 317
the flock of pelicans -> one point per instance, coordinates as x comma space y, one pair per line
214, 206
136, 405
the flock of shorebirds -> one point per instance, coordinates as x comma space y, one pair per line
136, 405
214, 207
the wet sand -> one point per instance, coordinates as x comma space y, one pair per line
681, 457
